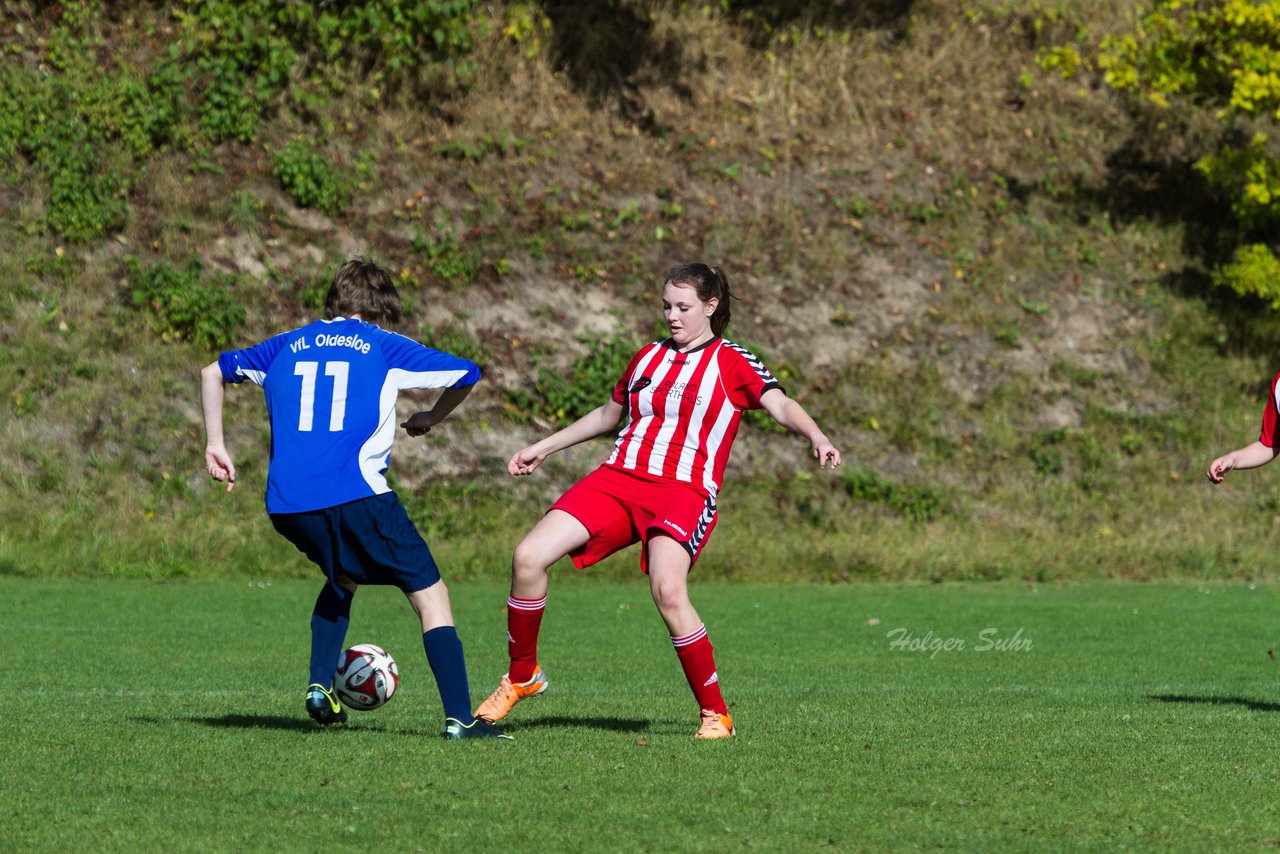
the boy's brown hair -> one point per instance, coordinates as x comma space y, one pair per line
362, 287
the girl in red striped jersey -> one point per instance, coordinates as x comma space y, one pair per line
679, 403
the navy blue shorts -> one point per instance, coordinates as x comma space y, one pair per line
371, 540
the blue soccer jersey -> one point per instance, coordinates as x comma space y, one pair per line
331, 389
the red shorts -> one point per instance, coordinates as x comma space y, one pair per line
618, 508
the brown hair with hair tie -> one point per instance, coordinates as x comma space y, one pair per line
709, 283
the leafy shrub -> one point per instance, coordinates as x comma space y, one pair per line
243, 54
15, 87
309, 178
917, 503
82, 130
445, 257
1064, 60
184, 304
84, 205
240, 60
1255, 271
1046, 452
399, 33
476, 149
1221, 56
84, 118
564, 396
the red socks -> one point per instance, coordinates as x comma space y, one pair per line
697, 656
699, 663
524, 618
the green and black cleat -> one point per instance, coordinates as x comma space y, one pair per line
478, 728
323, 706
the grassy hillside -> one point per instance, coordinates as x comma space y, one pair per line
989, 284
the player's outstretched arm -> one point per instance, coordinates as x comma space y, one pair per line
1248, 457
602, 419
791, 415
217, 461
420, 423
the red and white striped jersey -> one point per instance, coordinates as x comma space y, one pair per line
1270, 415
683, 410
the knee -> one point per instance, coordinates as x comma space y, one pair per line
430, 598
669, 597
432, 606
528, 562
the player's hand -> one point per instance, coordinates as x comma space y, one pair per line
218, 463
826, 452
420, 423
525, 461
1218, 468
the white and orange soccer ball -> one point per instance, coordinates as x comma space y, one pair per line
366, 678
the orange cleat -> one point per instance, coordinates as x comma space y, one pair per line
715, 725
501, 701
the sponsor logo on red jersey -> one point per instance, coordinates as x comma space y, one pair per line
683, 410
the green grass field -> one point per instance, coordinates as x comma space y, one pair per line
167, 717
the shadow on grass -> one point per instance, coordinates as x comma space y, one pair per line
1255, 705
300, 724
612, 724
242, 721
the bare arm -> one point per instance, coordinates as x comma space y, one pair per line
1248, 457
791, 415
216, 459
420, 423
602, 419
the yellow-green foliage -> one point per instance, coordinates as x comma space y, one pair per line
1251, 173
1224, 55
1255, 271
1063, 60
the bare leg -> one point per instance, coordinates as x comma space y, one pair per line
669, 567
669, 583
432, 606
555, 535
444, 650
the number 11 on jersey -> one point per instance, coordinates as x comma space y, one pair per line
307, 401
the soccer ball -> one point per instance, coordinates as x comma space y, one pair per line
366, 677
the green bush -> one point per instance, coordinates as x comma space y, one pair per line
399, 34
1221, 56
562, 397
1046, 452
84, 205
184, 304
1255, 271
83, 118
238, 57
445, 257
244, 54
916, 503
80, 130
309, 178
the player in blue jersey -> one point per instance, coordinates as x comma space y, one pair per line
331, 389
